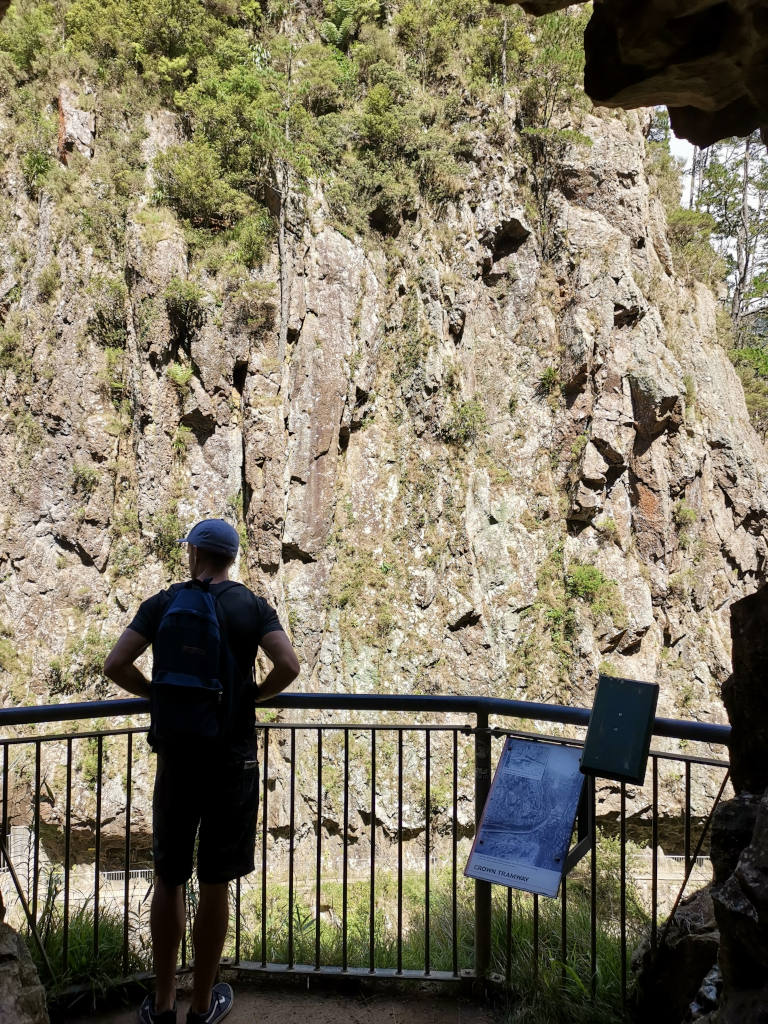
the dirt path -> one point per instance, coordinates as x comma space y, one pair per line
268, 1006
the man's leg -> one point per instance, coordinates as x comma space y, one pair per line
167, 924
208, 935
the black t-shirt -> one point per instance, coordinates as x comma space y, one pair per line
246, 617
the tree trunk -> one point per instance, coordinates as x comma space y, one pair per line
693, 191
504, 39
285, 258
742, 244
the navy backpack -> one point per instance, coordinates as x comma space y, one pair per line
194, 688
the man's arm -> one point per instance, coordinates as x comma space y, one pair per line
285, 664
119, 664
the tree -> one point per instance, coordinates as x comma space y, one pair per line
734, 191
552, 71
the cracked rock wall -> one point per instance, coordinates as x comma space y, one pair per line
451, 431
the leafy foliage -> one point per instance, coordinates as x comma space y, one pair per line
344, 19
751, 364
167, 528
180, 376
590, 584
95, 973
371, 106
184, 301
689, 233
551, 70
107, 324
190, 179
465, 424
80, 669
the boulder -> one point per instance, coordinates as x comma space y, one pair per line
669, 979
77, 127
732, 828
22, 997
741, 909
744, 693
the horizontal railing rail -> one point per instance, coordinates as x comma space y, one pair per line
358, 816
671, 728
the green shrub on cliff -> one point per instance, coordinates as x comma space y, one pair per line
465, 424
191, 180
590, 584
344, 19
751, 364
107, 324
27, 32
80, 668
689, 232
184, 302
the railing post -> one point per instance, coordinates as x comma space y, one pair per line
482, 889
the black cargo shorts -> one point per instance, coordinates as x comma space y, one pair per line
213, 798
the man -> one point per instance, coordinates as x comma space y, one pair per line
214, 790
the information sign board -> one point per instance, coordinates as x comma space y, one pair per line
527, 823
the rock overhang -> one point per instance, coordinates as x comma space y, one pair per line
707, 61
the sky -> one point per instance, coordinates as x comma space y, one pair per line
681, 148
684, 150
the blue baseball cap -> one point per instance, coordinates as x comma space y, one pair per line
214, 535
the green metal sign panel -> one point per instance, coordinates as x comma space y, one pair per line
620, 728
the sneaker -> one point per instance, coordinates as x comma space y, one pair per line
221, 1004
148, 1014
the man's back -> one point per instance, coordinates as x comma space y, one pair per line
211, 802
245, 619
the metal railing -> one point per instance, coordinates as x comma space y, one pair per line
365, 827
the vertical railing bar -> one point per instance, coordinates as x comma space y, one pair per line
345, 856
482, 888
264, 832
508, 944
399, 851
427, 845
238, 922
5, 793
655, 852
623, 891
67, 828
454, 855
127, 882
372, 892
318, 865
36, 833
687, 815
535, 936
592, 887
291, 838
563, 929
97, 847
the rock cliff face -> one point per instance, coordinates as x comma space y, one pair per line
458, 467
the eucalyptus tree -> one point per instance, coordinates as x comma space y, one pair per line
733, 189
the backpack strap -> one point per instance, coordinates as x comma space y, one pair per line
222, 623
